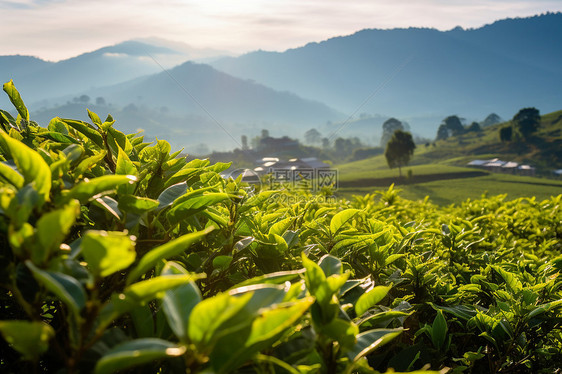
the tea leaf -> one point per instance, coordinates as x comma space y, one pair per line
31, 339
136, 352
107, 252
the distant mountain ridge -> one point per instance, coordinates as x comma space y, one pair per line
422, 75
193, 88
197, 99
42, 81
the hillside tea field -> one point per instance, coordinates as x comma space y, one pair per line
117, 255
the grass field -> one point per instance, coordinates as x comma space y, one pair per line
448, 191
438, 169
377, 168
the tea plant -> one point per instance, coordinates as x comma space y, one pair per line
119, 254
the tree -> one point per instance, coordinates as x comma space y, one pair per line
454, 125
399, 150
474, 127
312, 136
265, 133
442, 132
527, 121
244, 139
388, 128
100, 101
506, 133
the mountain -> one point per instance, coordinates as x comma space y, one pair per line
41, 81
197, 99
422, 75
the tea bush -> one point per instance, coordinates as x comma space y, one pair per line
117, 254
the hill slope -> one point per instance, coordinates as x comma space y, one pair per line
195, 103
42, 81
422, 75
450, 156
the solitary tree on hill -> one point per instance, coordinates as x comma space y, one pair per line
388, 128
399, 150
527, 121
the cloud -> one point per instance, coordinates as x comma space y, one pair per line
59, 29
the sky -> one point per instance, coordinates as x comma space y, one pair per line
60, 29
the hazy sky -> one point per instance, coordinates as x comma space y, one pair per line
58, 29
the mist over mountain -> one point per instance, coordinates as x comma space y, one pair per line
197, 99
41, 81
422, 75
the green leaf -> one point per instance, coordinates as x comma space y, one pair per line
330, 265
16, 99
65, 287
57, 137
235, 349
87, 130
124, 166
30, 164
222, 262
544, 308
116, 139
464, 312
58, 125
107, 252
273, 278
136, 352
88, 189
137, 205
6, 120
110, 205
390, 259
143, 321
31, 339
52, 228
370, 299
11, 176
94, 117
207, 318
512, 283
370, 340
139, 294
257, 200
170, 249
314, 276
109, 121
193, 205
342, 331
263, 296
280, 227
439, 330
170, 194
27, 198
88, 163
341, 218
382, 317
179, 302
